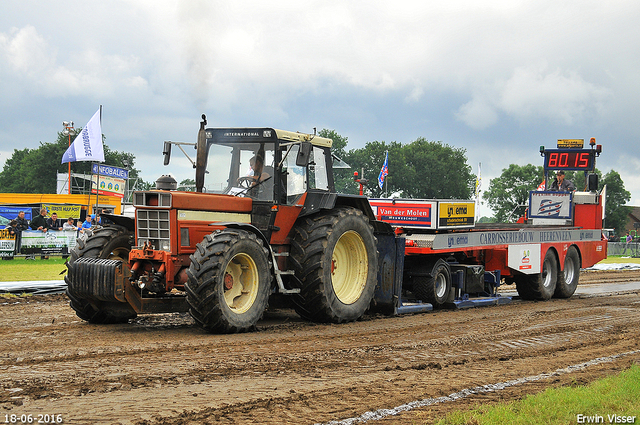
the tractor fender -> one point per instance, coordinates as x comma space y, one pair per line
249, 228
121, 220
253, 229
317, 200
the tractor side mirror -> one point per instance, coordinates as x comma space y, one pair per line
304, 153
166, 151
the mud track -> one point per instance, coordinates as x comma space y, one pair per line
163, 369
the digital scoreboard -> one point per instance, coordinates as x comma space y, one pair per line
569, 159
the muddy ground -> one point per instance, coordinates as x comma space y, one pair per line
163, 369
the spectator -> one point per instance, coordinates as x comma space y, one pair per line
12, 228
86, 224
627, 241
40, 222
23, 224
53, 222
69, 225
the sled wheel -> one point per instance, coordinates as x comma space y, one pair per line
569, 277
540, 286
435, 287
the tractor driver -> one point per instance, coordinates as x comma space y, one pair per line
255, 170
256, 173
561, 185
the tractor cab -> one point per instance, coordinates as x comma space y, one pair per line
264, 164
278, 175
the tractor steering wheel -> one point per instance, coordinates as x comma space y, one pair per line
246, 181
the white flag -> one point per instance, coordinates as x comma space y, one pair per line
87, 146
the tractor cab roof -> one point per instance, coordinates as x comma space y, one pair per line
261, 135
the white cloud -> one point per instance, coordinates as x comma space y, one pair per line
536, 95
478, 113
465, 72
24, 51
553, 95
36, 67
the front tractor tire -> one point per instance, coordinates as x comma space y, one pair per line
229, 281
335, 258
113, 243
540, 286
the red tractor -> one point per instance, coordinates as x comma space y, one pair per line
264, 220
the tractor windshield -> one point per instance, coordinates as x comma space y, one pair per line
241, 169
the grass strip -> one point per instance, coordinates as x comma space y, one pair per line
615, 259
615, 399
19, 269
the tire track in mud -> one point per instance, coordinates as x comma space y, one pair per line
164, 373
384, 413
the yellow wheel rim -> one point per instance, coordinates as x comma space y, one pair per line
121, 254
240, 283
349, 267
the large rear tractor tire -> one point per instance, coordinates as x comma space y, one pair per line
229, 281
113, 243
334, 256
539, 286
434, 288
569, 277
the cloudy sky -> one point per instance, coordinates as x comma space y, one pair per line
497, 78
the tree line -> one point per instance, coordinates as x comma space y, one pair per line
35, 170
508, 194
420, 169
434, 170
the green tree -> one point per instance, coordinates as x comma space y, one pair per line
508, 194
339, 142
187, 185
436, 171
420, 169
368, 161
343, 177
34, 170
616, 213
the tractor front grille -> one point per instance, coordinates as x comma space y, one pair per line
153, 226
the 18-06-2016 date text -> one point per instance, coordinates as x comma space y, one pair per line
40, 418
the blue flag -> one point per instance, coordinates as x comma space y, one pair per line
87, 146
384, 171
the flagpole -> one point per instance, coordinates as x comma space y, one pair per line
477, 191
386, 187
98, 179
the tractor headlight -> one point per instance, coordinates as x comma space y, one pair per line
165, 245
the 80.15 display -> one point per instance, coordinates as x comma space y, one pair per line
581, 159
